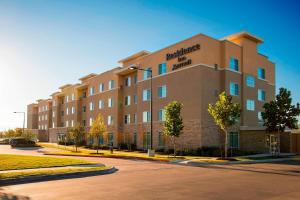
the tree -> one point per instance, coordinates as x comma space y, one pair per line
76, 134
226, 114
173, 124
280, 113
98, 129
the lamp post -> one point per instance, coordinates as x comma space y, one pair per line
151, 150
23, 120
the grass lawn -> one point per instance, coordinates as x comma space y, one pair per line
12, 162
69, 150
13, 175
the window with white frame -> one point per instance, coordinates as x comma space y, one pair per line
127, 119
46, 117
162, 68
91, 121
46, 127
250, 105
146, 116
101, 87
135, 118
135, 99
73, 96
72, 123
67, 111
54, 103
147, 73
101, 104
259, 117
234, 89
67, 123
53, 125
110, 102
111, 84
73, 110
261, 95
109, 120
128, 81
92, 91
146, 95
39, 118
67, 98
53, 114
127, 101
161, 115
250, 81
162, 91
91, 106
46, 107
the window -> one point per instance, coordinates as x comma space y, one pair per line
46, 127
109, 120
234, 140
128, 81
261, 95
73, 110
250, 105
135, 139
53, 114
91, 121
162, 91
135, 118
92, 91
234, 89
73, 96
146, 95
147, 73
127, 101
42, 117
83, 94
111, 84
259, 117
101, 87
91, 106
67, 123
135, 79
261, 73
250, 80
67, 99
146, 140
84, 122
161, 115
101, 104
162, 68
110, 102
161, 139
46, 108
39, 118
72, 123
234, 64
127, 119
110, 138
53, 125
135, 99
83, 108
54, 103
46, 117
146, 116
67, 111
62, 113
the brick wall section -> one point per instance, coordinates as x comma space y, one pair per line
254, 141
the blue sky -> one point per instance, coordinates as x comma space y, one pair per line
45, 44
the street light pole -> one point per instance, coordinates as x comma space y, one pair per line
151, 150
23, 120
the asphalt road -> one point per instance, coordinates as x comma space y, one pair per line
154, 180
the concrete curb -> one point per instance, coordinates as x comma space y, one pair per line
32, 179
196, 164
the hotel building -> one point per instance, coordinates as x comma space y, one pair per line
193, 71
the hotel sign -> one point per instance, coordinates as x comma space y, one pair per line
180, 55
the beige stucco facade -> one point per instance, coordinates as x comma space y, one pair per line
195, 71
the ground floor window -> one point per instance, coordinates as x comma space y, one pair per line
101, 140
161, 139
91, 141
110, 138
61, 137
135, 139
146, 140
234, 140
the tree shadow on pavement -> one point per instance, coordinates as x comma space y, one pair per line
8, 196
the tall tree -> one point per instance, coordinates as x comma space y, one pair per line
173, 124
226, 114
76, 134
280, 113
98, 129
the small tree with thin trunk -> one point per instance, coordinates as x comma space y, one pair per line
98, 129
173, 124
76, 134
280, 113
226, 114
